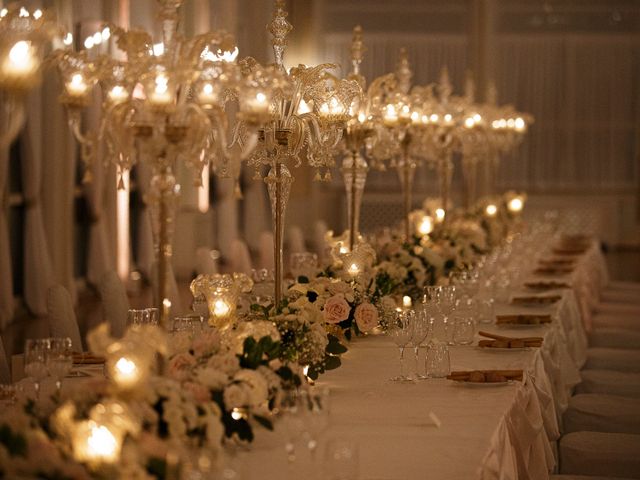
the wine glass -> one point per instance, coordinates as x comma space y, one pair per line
316, 408
187, 323
35, 361
436, 361
421, 329
303, 264
153, 316
401, 331
136, 317
292, 420
447, 304
59, 359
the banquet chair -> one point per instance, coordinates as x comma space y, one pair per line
62, 318
115, 303
239, 258
296, 240
205, 263
5, 371
265, 251
622, 360
584, 477
614, 338
594, 412
610, 382
598, 453
616, 320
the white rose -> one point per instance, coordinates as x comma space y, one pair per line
227, 363
212, 378
258, 387
235, 395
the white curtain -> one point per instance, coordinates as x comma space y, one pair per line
584, 92
6, 285
38, 272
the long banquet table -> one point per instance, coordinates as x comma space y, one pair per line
480, 432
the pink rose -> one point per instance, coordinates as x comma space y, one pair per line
336, 309
180, 366
366, 316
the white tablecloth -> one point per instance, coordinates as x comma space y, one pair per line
486, 432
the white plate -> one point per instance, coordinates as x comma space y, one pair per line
503, 349
485, 384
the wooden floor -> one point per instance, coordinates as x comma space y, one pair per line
623, 265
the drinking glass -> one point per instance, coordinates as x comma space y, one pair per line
341, 460
200, 307
303, 264
35, 361
137, 317
447, 303
464, 330
316, 408
59, 359
292, 420
401, 331
154, 316
187, 323
436, 362
421, 329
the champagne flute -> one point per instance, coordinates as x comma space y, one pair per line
59, 359
401, 331
35, 361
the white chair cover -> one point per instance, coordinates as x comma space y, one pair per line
205, 264
622, 360
172, 293
597, 453
240, 259
616, 320
614, 338
296, 240
62, 318
5, 371
610, 382
115, 303
265, 253
593, 412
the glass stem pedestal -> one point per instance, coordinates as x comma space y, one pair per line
445, 174
354, 172
278, 182
470, 172
14, 118
163, 196
406, 172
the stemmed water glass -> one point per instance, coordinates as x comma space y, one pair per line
315, 407
400, 330
421, 329
35, 361
59, 359
292, 420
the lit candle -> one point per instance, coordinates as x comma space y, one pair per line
519, 124
362, 117
332, 108
390, 116
448, 119
515, 204
426, 225
354, 270
21, 61
469, 122
440, 213
259, 103
491, 210
207, 95
221, 308
118, 94
161, 95
406, 301
95, 443
77, 87
125, 373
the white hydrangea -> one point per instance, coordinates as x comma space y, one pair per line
258, 390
